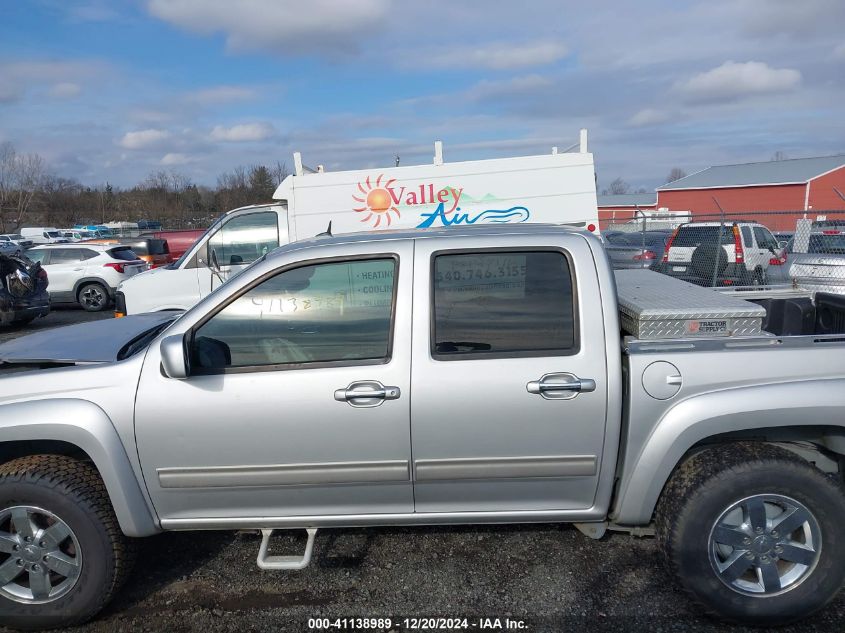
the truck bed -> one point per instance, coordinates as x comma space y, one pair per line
656, 307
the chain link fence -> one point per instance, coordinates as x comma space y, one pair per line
752, 250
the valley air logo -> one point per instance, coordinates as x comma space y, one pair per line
379, 201
438, 206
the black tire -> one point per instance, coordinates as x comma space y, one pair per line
72, 491
708, 483
93, 297
706, 259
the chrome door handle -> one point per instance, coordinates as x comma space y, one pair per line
366, 393
560, 386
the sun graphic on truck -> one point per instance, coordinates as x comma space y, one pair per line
378, 203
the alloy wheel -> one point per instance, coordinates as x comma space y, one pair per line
764, 545
40, 557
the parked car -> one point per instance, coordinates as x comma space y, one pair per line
783, 237
821, 266
152, 250
18, 239
77, 235
178, 241
87, 274
10, 249
23, 291
643, 249
735, 254
44, 235
289, 399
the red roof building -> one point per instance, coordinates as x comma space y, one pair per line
806, 186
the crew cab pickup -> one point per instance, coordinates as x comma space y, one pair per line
463, 375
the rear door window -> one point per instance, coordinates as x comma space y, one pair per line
501, 304
764, 238
65, 255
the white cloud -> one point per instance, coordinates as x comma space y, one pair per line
495, 56
65, 90
649, 116
732, 81
516, 86
243, 132
144, 139
222, 94
61, 79
175, 158
283, 26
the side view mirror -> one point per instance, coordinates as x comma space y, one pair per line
173, 360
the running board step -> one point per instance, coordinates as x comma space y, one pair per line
285, 562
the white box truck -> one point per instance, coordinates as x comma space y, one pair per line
555, 188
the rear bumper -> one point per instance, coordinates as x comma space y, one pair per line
733, 275
13, 309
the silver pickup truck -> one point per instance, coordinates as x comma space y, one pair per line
477, 375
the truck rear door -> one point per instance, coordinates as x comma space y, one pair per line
509, 375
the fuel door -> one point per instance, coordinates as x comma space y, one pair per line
662, 380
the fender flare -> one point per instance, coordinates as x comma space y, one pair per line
86, 426
804, 403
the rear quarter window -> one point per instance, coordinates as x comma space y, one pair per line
124, 253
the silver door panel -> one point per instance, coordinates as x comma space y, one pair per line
535, 453
277, 443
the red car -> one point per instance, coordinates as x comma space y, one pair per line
178, 241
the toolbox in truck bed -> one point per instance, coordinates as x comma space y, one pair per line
655, 306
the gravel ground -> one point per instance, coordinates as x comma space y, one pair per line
551, 577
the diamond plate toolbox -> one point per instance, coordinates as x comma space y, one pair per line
654, 306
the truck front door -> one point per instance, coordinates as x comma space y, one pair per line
297, 402
242, 238
509, 377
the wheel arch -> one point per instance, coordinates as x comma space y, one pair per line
87, 280
810, 411
80, 429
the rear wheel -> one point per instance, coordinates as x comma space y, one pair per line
93, 297
62, 554
753, 533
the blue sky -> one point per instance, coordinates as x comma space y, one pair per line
113, 91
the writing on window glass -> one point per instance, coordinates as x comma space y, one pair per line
481, 275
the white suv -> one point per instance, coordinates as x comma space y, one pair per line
727, 254
87, 274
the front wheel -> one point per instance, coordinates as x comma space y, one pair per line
62, 554
93, 297
754, 533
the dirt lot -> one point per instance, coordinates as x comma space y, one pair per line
551, 577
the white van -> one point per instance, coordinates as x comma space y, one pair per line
44, 235
554, 188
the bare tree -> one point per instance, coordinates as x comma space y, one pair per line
676, 173
617, 187
28, 177
279, 171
